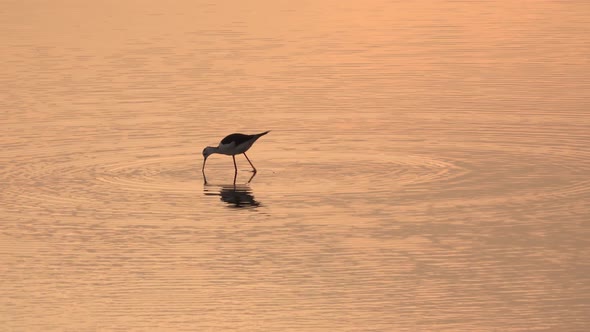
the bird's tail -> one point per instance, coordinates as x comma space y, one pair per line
262, 134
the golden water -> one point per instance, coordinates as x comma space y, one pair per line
427, 169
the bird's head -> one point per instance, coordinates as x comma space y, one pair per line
207, 152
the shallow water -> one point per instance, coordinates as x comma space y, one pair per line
427, 168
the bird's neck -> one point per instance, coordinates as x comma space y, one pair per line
213, 149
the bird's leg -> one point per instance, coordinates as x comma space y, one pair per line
253, 175
254, 168
236, 169
235, 166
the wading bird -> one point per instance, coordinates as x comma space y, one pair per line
232, 145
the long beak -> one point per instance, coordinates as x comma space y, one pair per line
203, 170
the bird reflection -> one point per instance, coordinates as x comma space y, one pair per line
235, 195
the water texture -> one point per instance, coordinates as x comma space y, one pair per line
427, 169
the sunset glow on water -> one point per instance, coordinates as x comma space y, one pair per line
427, 167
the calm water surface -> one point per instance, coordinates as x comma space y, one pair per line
427, 169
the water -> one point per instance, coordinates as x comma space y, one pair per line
427, 168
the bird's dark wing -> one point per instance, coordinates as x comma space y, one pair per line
236, 138
241, 138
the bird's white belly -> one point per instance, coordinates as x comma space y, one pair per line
231, 149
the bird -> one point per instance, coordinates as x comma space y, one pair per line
232, 145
